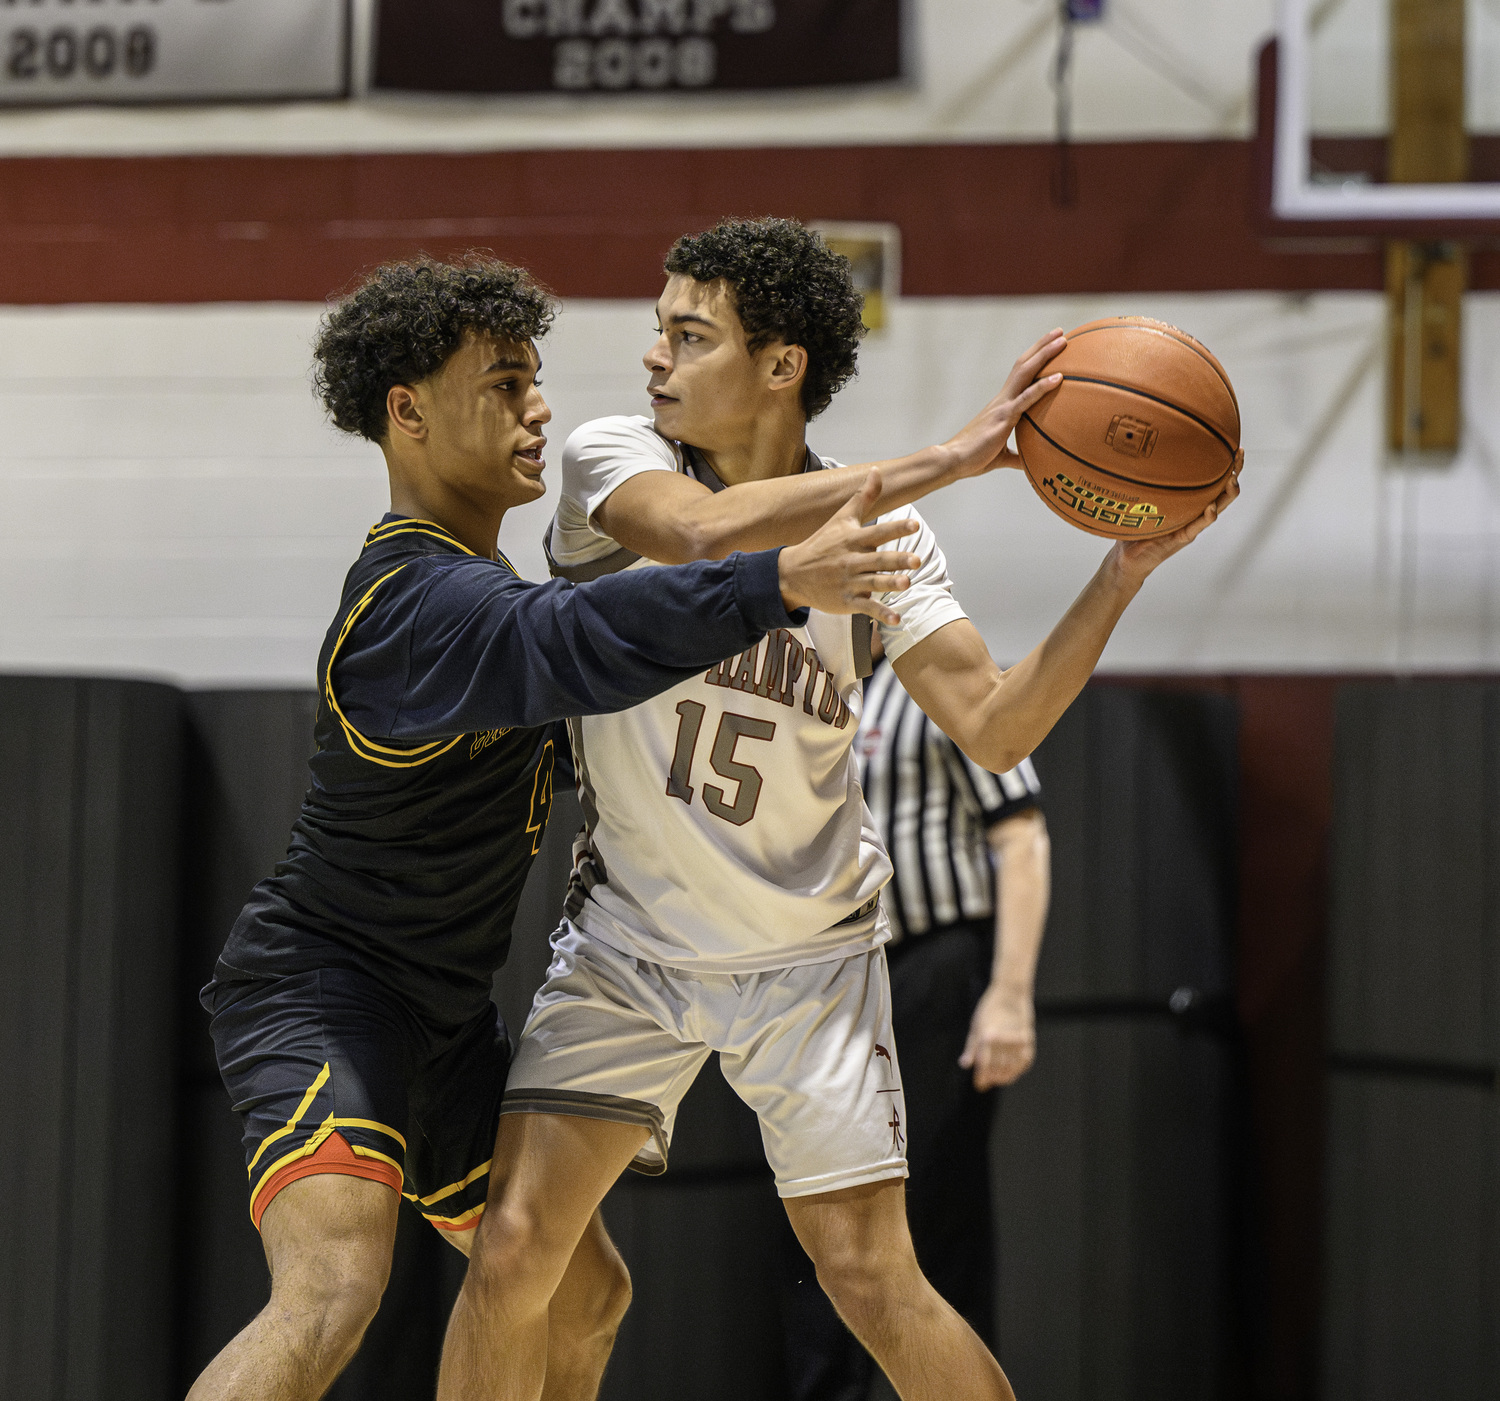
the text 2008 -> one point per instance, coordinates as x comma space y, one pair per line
67, 52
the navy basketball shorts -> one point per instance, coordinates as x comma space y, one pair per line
334, 1072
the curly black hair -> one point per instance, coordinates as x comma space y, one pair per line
406, 318
788, 285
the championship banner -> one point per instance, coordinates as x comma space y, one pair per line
55, 51
582, 46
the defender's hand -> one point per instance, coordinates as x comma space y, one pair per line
838, 569
981, 447
1135, 559
1002, 1039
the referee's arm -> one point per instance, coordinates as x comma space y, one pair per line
1002, 1033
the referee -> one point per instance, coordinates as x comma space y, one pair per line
967, 904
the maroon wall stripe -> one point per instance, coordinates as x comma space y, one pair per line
1285, 836
976, 220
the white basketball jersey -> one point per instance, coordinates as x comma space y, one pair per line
725, 829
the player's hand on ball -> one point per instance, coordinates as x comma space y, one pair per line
981, 447
1002, 1039
1137, 558
838, 569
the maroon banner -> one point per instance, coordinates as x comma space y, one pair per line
582, 46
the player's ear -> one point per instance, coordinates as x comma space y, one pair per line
788, 367
403, 409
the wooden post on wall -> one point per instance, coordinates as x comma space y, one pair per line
1425, 281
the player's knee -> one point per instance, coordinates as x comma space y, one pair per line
350, 1309
865, 1281
335, 1295
514, 1253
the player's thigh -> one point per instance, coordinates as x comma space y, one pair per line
328, 1241
605, 1042
811, 1050
317, 1065
549, 1175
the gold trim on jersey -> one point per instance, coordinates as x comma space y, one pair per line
365, 748
329, 1126
410, 525
459, 1222
325, 1130
319, 1080
406, 525
433, 1198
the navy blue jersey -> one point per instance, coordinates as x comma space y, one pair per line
440, 678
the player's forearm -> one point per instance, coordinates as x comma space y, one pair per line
784, 511
531, 654
1021, 705
1023, 860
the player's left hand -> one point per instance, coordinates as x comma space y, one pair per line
1002, 1038
840, 567
981, 446
1135, 559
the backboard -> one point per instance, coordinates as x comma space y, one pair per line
1324, 99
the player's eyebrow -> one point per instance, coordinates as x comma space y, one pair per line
682, 317
511, 362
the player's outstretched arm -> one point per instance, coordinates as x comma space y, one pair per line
670, 517
998, 717
485, 650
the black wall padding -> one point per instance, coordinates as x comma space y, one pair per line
1416, 884
246, 772
705, 1321
1117, 1176
1411, 1300
1412, 1238
88, 1164
1114, 1198
131, 1258
1139, 791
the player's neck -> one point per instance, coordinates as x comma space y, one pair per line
770, 449
474, 528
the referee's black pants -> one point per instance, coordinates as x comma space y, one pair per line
936, 982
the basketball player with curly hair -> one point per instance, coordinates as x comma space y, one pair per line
351, 1010
726, 887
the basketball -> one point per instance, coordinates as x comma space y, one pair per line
1140, 435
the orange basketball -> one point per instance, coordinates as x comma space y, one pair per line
1140, 435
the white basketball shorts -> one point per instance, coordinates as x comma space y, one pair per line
809, 1049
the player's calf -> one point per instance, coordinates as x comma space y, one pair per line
584, 1317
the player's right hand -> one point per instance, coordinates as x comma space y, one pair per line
981, 447
840, 568
1135, 559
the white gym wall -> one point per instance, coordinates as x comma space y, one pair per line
177, 507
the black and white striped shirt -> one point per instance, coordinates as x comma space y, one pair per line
933, 806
